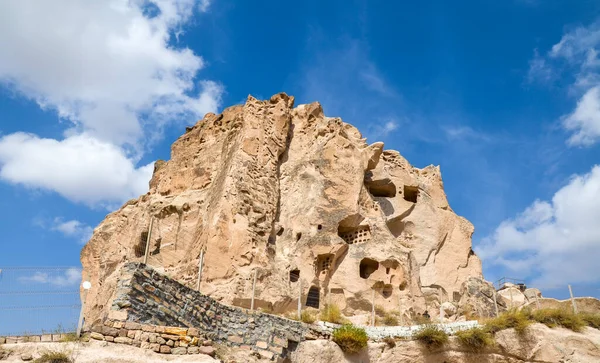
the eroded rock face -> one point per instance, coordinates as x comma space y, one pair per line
301, 199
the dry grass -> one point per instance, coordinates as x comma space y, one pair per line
592, 320
51, 356
351, 339
390, 320
517, 319
391, 342
475, 339
332, 314
308, 317
559, 317
432, 336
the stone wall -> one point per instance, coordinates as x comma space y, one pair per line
148, 298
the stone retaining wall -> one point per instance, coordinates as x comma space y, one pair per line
147, 297
43, 338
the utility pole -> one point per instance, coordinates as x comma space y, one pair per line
200, 267
573, 300
299, 299
253, 288
148, 241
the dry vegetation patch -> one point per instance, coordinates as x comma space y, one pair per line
350, 338
432, 336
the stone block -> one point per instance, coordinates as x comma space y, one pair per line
56, 337
169, 336
276, 350
130, 325
161, 340
123, 340
3, 340
96, 336
262, 345
26, 357
144, 337
165, 349
138, 336
207, 342
159, 329
131, 334
176, 331
33, 339
207, 350
119, 325
108, 338
179, 351
193, 332
170, 343
266, 354
193, 350
148, 328
235, 339
280, 342
45, 338
122, 332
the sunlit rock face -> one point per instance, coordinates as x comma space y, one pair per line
301, 200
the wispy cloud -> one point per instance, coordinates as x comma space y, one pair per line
73, 228
70, 277
576, 52
462, 132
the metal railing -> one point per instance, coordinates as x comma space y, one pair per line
39, 300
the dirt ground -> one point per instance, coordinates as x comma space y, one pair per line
96, 352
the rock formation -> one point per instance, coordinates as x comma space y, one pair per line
296, 200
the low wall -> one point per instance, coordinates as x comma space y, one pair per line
147, 297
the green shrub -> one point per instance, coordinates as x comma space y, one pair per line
432, 336
308, 317
331, 313
475, 339
517, 319
54, 357
559, 317
592, 320
351, 339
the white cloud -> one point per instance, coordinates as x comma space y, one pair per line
557, 241
461, 132
69, 277
74, 229
585, 120
111, 73
80, 168
578, 51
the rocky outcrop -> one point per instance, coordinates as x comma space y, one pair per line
541, 344
300, 201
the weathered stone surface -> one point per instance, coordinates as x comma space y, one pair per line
2, 340
173, 331
281, 190
477, 298
513, 297
165, 349
123, 340
26, 357
179, 351
96, 336
207, 350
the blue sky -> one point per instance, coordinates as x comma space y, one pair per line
504, 95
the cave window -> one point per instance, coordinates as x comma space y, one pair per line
367, 267
355, 235
325, 263
298, 236
319, 227
456, 296
382, 188
387, 291
411, 193
312, 299
403, 286
294, 275
140, 248
387, 270
280, 232
157, 249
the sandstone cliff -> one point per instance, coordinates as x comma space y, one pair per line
301, 200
